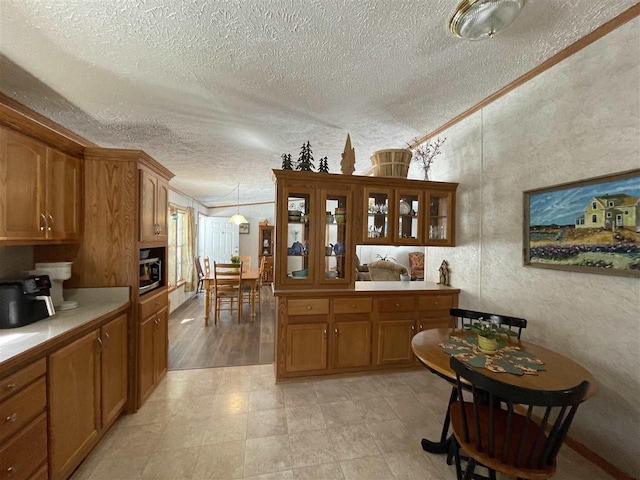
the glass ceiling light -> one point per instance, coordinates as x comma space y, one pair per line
237, 218
480, 19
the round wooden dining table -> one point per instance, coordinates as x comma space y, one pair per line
560, 372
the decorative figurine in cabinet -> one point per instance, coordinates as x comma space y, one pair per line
266, 249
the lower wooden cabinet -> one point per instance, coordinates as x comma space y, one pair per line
152, 352
23, 457
74, 403
113, 373
87, 391
351, 344
394, 341
306, 347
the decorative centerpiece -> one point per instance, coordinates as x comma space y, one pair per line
490, 335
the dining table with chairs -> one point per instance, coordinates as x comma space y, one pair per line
511, 440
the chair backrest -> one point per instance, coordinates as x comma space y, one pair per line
467, 317
227, 276
207, 267
416, 264
199, 271
521, 445
246, 262
263, 260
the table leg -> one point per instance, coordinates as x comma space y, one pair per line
207, 302
443, 445
253, 300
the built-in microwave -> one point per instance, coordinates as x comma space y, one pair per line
150, 274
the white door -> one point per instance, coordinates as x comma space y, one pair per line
220, 239
619, 220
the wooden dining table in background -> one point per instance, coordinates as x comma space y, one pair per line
249, 277
560, 372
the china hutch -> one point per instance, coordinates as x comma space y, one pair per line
326, 322
265, 249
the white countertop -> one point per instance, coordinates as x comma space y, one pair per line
93, 303
376, 286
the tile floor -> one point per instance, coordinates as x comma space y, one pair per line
228, 423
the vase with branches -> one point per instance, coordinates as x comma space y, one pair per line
425, 153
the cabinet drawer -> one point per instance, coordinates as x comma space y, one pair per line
436, 322
396, 304
18, 380
151, 305
21, 457
436, 302
352, 305
315, 306
23, 407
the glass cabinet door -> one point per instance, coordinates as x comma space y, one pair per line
336, 239
409, 217
297, 241
439, 219
378, 204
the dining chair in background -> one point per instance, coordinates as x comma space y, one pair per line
200, 274
227, 281
505, 441
251, 293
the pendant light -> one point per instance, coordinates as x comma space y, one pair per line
480, 19
237, 218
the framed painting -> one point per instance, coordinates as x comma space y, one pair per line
590, 226
243, 228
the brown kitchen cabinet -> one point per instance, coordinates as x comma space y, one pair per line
40, 191
153, 343
87, 392
153, 207
394, 342
352, 342
307, 347
74, 403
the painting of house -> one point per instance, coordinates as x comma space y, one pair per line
592, 225
611, 211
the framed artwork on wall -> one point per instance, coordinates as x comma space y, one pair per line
591, 225
243, 228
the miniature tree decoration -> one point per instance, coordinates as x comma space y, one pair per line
425, 153
324, 165
287, 164
348, 163
305, 160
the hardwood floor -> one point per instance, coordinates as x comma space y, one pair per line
192, 345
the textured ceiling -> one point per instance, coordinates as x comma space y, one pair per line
217, 90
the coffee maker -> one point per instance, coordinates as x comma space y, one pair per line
25, 301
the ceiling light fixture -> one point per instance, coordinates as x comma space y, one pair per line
237, 218
480, 19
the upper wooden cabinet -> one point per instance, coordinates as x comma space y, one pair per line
154, 194
40, 190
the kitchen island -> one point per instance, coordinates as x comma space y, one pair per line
365, 328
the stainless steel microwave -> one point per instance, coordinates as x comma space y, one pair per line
150, 274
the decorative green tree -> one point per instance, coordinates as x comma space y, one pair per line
287, 164
305, 160
324, 165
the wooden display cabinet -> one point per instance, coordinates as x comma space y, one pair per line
266, 247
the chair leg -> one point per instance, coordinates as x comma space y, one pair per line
468, 472
456, 453
492, 474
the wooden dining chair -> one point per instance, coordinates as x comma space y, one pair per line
227, 281
200, 275
246, 261
466, 317
503, 440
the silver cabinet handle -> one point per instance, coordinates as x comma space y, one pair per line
353, 305
398, 305
10, 386
308, 307
12, 418
336, 332
325, 332
413, 327
107, 335
10, 470
43, 222
50, 227
100, 345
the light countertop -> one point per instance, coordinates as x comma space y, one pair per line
376, 286
93, 303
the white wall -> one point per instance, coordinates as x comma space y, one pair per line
14, 261
248, 244
179, 296
579, 119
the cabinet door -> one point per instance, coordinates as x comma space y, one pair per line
380, 215
297, 241
74, 403
352, 344
161, 343
114, 368
440, 214
146, 358
306, 347
394, 341
409, 217
63, 196
335, 242
22, 202
148, 206
162, 211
